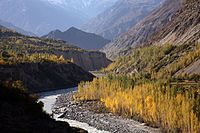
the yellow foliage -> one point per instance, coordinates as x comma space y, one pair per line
19, 41
183, 62
2, 62
173, 112
61, 58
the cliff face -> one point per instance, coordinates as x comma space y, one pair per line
45, 76
89, 61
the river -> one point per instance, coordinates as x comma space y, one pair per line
49, 98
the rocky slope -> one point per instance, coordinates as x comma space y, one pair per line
183, 28
139, 34
172, 49
23, 45
193, 68
79, 38
19, 112
120, 17
44, 76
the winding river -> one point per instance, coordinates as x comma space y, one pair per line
49, 98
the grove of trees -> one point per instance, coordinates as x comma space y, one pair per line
170, 107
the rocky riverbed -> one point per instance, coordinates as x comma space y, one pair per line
94, 114
49, 99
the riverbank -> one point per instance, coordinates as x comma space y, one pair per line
93, 113
49, 99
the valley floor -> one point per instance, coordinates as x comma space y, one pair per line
49, 99
87, 112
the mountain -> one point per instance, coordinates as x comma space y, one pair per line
90, 7
39, 16
184, 27
120, 17
2, 27
139, 34
171, 50
43, 16
80, 38
17, 29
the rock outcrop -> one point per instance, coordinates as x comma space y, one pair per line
89, 61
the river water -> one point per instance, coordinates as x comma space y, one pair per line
49, 98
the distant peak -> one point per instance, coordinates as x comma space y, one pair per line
72, 29
55, 31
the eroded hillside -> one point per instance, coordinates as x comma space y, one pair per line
183, 28
20, 45
119, 18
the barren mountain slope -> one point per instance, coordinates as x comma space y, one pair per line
139, 33
184, 27
120, 17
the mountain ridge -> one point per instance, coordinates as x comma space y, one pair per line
79, 38
120, 17
38, 16
43, 16
17, 29
90, 7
